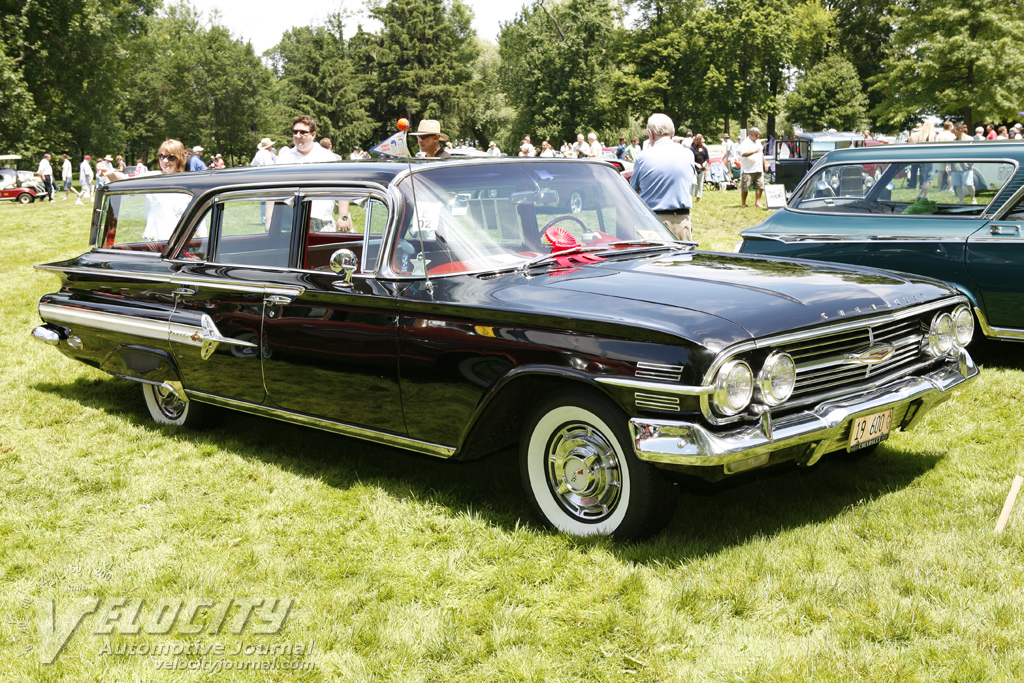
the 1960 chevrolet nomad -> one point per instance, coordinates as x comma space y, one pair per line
457, 307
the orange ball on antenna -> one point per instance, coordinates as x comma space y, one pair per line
403, 124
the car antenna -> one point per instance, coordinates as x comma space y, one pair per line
403, 125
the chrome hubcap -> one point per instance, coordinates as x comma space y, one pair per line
583, 472
170, 405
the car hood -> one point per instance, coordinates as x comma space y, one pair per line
763, 296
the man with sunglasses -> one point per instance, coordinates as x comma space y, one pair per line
429, 136
307, 150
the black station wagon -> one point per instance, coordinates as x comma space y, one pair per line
455, 308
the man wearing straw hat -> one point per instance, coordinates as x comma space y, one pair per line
263, 156
429, 137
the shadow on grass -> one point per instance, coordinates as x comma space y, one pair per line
709, 518
1004, 355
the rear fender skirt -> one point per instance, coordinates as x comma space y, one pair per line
141, 363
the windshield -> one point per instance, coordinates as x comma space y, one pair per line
500, 216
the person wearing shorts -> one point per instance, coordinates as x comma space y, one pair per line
751, 168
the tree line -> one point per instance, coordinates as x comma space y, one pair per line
120, 76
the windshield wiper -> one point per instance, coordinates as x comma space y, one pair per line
650, 243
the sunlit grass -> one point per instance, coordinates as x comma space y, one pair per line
404, 568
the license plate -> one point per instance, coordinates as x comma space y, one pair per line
870, 429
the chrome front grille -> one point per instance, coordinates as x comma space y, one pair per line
833, 361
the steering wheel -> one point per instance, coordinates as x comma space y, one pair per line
557, 219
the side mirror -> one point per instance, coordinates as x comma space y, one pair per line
344, 260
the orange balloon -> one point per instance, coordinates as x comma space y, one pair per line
403, 124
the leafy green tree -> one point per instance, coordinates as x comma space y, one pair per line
419, 65
863, 31
17, 110
318, 77
953, 58
73, 56
558, 68
211, 89
829, 96
814, 34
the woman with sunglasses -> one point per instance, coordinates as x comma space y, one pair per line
163, 209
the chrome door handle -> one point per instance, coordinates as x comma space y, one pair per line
1005, 230
185, 291
277, 300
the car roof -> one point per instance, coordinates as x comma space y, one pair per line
929, 151
381, 172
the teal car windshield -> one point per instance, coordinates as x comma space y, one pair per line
956, 188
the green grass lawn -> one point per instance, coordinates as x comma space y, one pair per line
405, 568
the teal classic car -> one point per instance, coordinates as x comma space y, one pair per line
951, 211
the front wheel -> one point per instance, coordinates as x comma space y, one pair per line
166, 408
581, 476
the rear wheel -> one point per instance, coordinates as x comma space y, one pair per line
166, 408
25, 198
581, 476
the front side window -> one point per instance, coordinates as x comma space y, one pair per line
140, 221
333, 221
942, 188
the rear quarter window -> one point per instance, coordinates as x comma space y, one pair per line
140, 221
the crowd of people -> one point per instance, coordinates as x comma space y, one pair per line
669, 171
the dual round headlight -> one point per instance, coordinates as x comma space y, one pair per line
735, 384
949, 330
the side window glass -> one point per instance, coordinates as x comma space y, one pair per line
141, 222
956, 188
946, 188
333, 222
376, 224
198, 246
255, 233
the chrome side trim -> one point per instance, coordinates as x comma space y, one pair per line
98, 272
657, 387
997, 332
407, 443
823, 429
110, 322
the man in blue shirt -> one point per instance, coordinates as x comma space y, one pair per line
195, 162
664, 176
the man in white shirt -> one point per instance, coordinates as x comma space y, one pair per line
85, 177
45, 172
66, 175
263, 155
751, 168
493, 150
308, 151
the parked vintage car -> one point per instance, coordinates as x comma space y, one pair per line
791, 159
464, 311
952, 211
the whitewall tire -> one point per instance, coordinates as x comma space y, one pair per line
581, 476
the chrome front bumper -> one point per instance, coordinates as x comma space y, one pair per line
823, 429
